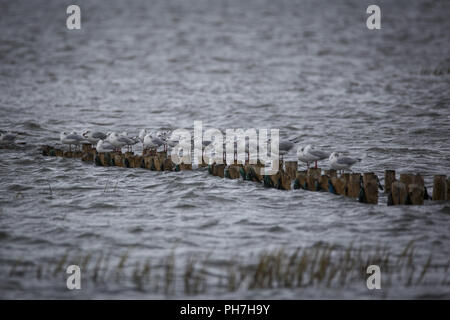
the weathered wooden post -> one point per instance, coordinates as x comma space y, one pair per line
339, 185
148, 161
157, 163
46, 150
118, 159
448, 189
323, 182
300, 180
59, 152
354, 185
415, 194
275, 180
389, 177
168, 164
185, 166
370, 184
233, 172
291, 168
399, 193
331, 173
68, 154
312, 179
440, 187
285, 181
407, 178
219, 170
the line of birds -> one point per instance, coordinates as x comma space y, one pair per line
112, 141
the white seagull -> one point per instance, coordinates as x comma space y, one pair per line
310, 154
94, 136
72, 138
104, 146
151, 142
338, 162
120, 141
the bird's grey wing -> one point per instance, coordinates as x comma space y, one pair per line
319, 154
346, 161
74, 137
99, 135
157, 141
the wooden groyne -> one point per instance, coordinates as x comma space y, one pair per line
409, 189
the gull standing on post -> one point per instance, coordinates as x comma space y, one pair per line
93, 136
338, 162
71, 139
104, 146
309, 154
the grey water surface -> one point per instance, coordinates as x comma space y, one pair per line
310, 68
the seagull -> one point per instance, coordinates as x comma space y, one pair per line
7, 138
72, 138
309, 154
104, 146
151, 142
94, 136
164, 136
338, 162
120, 140
284, 147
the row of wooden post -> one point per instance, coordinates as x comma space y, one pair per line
409, 189
159, 161
289, 177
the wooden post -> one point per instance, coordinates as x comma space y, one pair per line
407, 178
389, 177
448, 189
148, 161
339, 185
220, 170
314, 172
353, 185
88, 156
440, 187
58, 152
312, 179
301, 179
168, 164
399, 193
233, 171
285, 181
291, 168
415, 194
331, 173
86, 148
68, 154
185, 166
157, 162
370, 187
46, 150
323, 182
118, 159
276, 180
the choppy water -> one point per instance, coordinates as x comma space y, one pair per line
310, 68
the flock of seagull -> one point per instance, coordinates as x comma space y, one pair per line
113, 141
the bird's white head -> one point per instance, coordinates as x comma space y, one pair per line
334, 155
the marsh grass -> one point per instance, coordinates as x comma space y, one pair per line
320, 266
